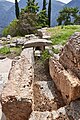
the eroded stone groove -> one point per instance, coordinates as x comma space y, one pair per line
46, 96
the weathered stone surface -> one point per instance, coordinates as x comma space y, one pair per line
66, 82
42, 33
46, 96
8, 37
17, 96
13, 45
70, 55
0, 111
37, 42
3, 38
60, 114
28, 53
19, 41
5, 66
69, 112
1, 46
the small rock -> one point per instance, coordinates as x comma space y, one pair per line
8, 37
12, 45
3, 38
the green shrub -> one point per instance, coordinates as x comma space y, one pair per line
11, 29
4, 50
45, 55
56, 51
42, 19
26, 24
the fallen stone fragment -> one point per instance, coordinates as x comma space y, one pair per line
66, 82
68, 112
0, 111
17, 96
5, 66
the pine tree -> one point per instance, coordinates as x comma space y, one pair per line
44, 5
16, 9
32, 6
49, 13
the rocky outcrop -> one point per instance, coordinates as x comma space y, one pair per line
17, 96
70, 55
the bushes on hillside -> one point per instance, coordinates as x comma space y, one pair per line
68, 16
28, 21
26, 24
11, 29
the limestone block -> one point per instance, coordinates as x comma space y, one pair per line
66, 82
17, 96
70, 55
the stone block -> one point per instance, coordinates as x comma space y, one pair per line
17, 96
70, 55
66, 82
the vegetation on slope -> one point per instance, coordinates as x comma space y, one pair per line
60, 34
10, 52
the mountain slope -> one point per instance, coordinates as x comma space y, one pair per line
73, 3
56, 7
10, 14
6, 5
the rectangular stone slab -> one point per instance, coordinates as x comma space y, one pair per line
17, 96
68, 84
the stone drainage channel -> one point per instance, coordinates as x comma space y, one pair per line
25, 94
46, 96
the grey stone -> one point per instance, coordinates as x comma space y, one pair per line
4, 39
37, 42
12, 45
8, 37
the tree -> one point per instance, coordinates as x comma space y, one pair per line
32, 6
67, 16
77, 20
27, 23
44, 5
42, 18
16, 9
49, 13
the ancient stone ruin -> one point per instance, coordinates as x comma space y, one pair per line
66, 71
31, 93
